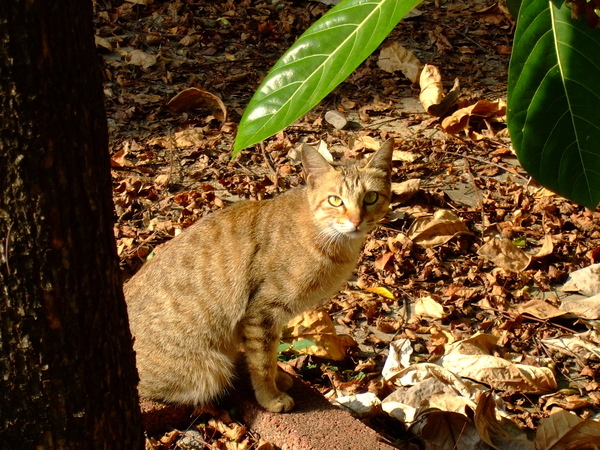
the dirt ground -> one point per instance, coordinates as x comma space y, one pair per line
429, 289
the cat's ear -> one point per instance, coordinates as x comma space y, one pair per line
382, 158
313, 162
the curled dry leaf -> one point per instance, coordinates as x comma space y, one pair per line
471, 358
564, 430
483, 109
194, 98
505, 254
436, 230
366, 142
406, 189
429, 307
395, 57
360, 405
565, 399
398, 358
546, 249
499, 433
324, 151
432, 92
447, 431
427, 386
316, 326
104, 43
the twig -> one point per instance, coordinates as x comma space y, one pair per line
472, 40
481, 160
270, 164
532, 318
171, 157
6, 244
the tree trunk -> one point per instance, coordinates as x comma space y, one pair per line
67, 368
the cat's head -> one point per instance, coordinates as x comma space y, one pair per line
348, 198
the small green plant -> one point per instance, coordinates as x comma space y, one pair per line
289, 350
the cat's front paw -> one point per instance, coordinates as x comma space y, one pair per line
283, 380
277, 404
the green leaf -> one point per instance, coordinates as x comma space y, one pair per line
554, 100
283, 347
301, 344
520, 241
316, 63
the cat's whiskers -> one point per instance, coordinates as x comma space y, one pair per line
333, 241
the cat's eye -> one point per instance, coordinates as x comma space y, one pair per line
370, 198
334, 200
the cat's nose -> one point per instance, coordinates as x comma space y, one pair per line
356, 221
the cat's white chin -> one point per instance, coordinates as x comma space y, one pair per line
356, 233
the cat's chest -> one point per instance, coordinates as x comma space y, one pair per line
323, 282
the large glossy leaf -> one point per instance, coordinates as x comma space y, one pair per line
316, 63
554, 100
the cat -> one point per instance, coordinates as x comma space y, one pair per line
234, 278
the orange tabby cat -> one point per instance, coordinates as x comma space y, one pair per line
237, 276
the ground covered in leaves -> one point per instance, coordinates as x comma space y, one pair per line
457, 314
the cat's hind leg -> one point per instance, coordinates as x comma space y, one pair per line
198, 379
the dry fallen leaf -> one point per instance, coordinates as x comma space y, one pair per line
586, 281
194, 98
443, 430
102, 42
360, 405
316, 326
182, 139
500, 373
366, 142
460, 119
398, 358
564, 430
438, 229
406, 189
546, 249
402, 155
505, 254
586, 308
498, 433
429, 307
140, 58
432, 92
540, 309
585, 345
394, 57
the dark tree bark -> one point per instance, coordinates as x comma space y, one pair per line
67, 369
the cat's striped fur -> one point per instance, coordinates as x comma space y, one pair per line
237, 276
